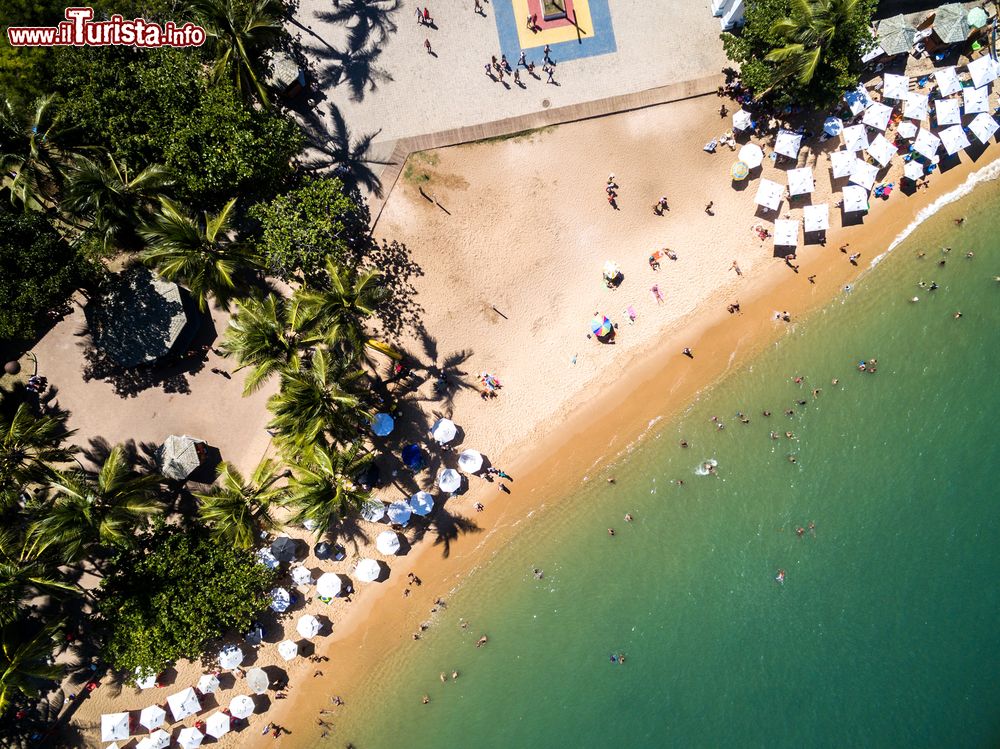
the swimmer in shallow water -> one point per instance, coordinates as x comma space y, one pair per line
780, 577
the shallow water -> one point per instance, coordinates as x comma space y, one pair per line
884, 631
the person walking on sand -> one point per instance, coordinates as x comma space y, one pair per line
708, 208
545, 53
504, 63
427, 46
522, 60
478, 8
517, 76
735, 266
420, 15
428, 21
551, 71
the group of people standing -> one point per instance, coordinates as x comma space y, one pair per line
497, 69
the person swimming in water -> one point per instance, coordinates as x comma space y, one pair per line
780, 577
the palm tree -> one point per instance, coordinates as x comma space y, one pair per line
25, 660
114, 201
84, 510
314, 403
25, 572
31, 156
809, 32
323, 490
238, 510
241, 33
29, 448
197, 253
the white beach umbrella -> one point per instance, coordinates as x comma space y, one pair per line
983, 127
208, 683
152, 717
926, 143
895, 86
444, 430
751, 155
947, 81
982, 70
855, 138
881, 150
816, 217
953, 139
906, 130
144, 680
769, 194
422, 503
114, 727
190, 738
471, 461
855, 199
301, 575
287, 649
230, 657
788, 144
913, 170
382, 425
328, 585
158, 739
372, 510
280, 600
833, 126
742, 119
800, 182
916, 106
217, 725
242, 706
449, 480
864, 174
841, 162
947, 112
265, 557
858, 100
257, 680
387, 542
877, 116
184, 703
308, 626
786, 233
368, 571
399, 513
976, 100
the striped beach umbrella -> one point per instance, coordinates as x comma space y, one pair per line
600, 326
740, 170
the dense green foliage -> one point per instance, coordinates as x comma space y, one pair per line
172, 594
805, 52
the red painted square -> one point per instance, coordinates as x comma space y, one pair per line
535, 8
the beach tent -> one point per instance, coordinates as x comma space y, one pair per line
881, 150
788, 144
857, 100
257, 680
217, 725
800, 181
855, 199
114, 727
742, 120
953, 139
833, 126
976, 100
152, 717
926, 143
329, 584
190, 738
449, 480
947, 81
913, 170
158, 739
855, 138
916, 106
179, 456
301, 575
144, 680
387, 542
230, 657
769, 194
308, 626
368, 570
816, 217
372, 510
906, 130
444, 430
422, 503
287, 649
842, 162
983, 70
751, 155
786, 233
983, 127
183, 703
208, 683
284, 548
877, 116
382, 425
864, 174
399, 513
947, 112
895, 86
280, 600
242, 706
895, 35
265, 557
951, 24
470, 461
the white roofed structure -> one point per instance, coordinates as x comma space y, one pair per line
742, 120
926, 143
983, 127
858, 100
881, 150
788, 144
916, 106
855, 199
786, 233
800, 181
947, 81
953, 139
906, 130
982, 70
864, 174
913, 170
947, 112
816, 218
877, 116
855, 138
769, 194
975, 100
841, 163
895, 86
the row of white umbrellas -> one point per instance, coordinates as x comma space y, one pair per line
116, 726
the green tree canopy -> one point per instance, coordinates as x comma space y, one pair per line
175, 592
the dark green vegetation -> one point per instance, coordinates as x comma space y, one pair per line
804, 52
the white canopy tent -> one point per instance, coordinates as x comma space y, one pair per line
855, 199
855, 138
184, 703
982, 70
913, 170
217, 725
895, 86
242, 706
947, 112
976, 100
470, 461
287, 649
208, 683
422, 503
788, 144
858, 100
158, 739
926, 143
400, 512
387, 542
877, 116
144, 680
881, 150
190, 738
301, 575
742, 120
842, 162
372, 510
864, 174
769, 194
786, 233
906, 130
983, 127
916, 106
444, 430
368, 570
953, 139
308, 626
329, 584
947, 81
449, 480
280, 600
152, 717
230, 657
816, 217
751, 155
114, 727
800, 181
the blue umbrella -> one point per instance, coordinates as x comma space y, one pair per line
413, 457
382, 425
833, 126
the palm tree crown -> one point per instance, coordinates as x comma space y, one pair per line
29, 447
25, 661
237, 510
808, 31
323, 490
31, 156
24, 573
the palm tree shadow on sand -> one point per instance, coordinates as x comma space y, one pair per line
372, 21
338, 150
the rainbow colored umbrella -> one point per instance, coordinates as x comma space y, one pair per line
740, 170
600, 326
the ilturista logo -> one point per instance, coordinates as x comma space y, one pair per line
80, 30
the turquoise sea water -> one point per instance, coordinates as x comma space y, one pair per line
885, 632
